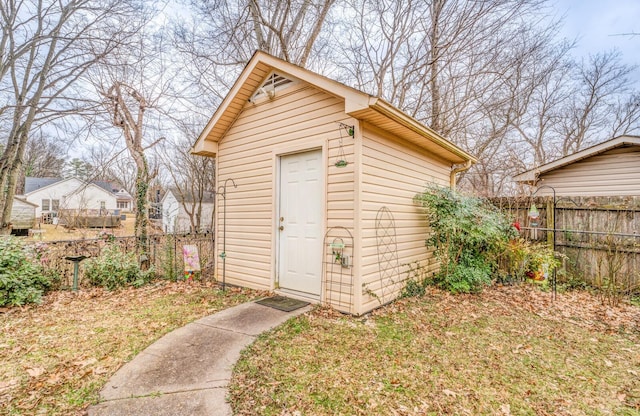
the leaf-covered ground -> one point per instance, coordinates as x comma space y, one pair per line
510, 350
55, 357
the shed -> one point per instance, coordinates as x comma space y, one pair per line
610, 169
325, 179
23, 215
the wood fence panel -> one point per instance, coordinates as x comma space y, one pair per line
599, 235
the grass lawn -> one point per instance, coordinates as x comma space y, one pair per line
56, 232
510, 350
55, 357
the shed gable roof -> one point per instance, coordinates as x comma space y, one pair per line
357, 104
532, 175
21, 200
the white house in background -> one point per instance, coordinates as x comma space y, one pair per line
52, 195
176, 218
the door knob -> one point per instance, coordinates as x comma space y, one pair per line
282, 228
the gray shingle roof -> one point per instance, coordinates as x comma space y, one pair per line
32, 184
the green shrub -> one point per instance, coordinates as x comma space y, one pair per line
115, 268
22, 278
469, 236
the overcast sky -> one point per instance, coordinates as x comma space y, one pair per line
597, 23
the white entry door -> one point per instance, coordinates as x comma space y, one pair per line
300, 223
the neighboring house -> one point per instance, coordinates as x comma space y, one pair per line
176, 218
23, 215
611, 168
315, 163
68, 194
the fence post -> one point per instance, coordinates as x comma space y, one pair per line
551, 212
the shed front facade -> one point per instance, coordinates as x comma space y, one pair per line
325, 175
23, 214
611, 168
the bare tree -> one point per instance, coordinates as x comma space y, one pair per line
45, 47
217, 43
113, 164
594, 110
44, 157
133, 84
572, 105
493, 76
464, 68
127, 106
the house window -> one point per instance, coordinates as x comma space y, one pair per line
55, 204
45, 205
103, 205
123, 204
274, 83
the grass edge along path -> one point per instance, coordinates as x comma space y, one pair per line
55, 357
506, 351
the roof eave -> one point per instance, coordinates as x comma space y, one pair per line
355, 102
393, 113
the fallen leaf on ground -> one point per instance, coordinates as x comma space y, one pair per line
86, 362
449, 393
35, 372
4, 385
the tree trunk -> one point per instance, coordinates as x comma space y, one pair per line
142, 213
434, 39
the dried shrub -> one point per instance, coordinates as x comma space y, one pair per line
115, 268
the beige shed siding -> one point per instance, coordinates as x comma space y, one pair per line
299, 118
23, 215
613, 173
394, 171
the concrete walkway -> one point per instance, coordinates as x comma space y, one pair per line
187, 371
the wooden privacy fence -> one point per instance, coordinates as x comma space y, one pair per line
165, 253
600, 236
